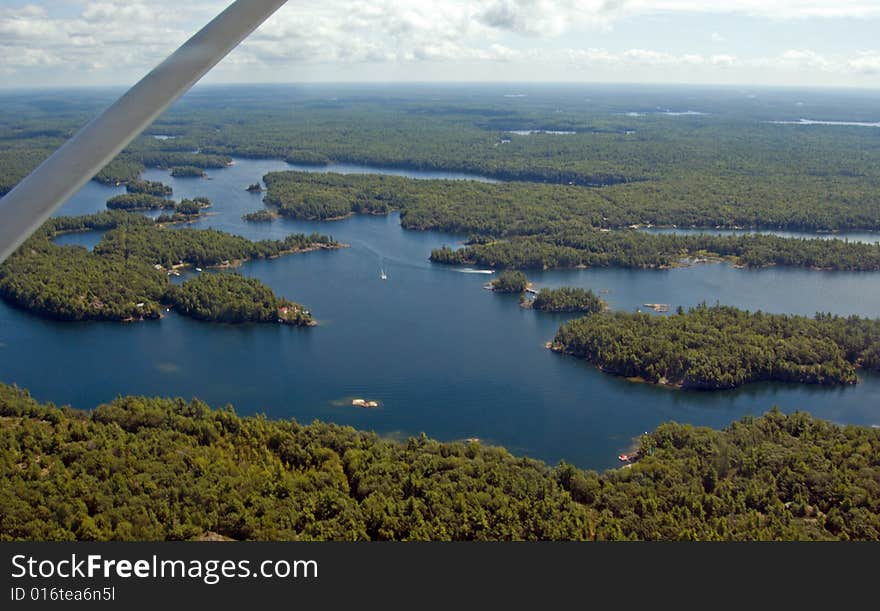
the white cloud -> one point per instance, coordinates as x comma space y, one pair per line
724, 61
119, 40
644, 58
866, 62
805, 59
549, 17
117, 33
776, 9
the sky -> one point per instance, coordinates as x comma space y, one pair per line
825, 43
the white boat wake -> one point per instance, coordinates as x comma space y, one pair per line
468, 270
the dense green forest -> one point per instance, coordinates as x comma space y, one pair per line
259, 216
192, 207
722, 347
200, 247
108, 219
139, 201
232, 298
547, 225
187, 171
169, 469
567, 299
149, 187
510, 282
526, 208
122, 170
726, 167
134, 202
638, 249
142, 468
325, 196
120, 280
70, 283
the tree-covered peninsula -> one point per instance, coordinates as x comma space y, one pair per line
169, 469
327, 196
717, 347
529, 208
637, 249
201, 247
125, 278
527, 225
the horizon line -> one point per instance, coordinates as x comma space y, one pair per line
481, 83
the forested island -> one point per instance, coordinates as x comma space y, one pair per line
149, 187
139, 201
125, 278
187, 171
232, 298
510, 282
168, 469
201, 247
567, 299
259, 216
718, 347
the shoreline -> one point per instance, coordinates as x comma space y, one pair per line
235, 263
664, 383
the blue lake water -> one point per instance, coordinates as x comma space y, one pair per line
441, 354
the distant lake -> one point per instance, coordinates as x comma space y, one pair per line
354, 168
868, 237
529, 132
844, 123
441, 355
